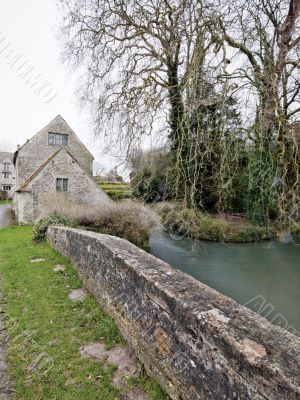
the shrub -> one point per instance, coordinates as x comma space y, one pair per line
150, 185
119, 194
165, 207
128, 219
124, 226
194, 224
149, 174
197, 225
211, 228
40, 229
252, 234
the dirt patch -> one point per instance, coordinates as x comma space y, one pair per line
128, 367
59, 268
136, 394
122, 356
77, 295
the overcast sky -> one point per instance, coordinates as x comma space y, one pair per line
29, 47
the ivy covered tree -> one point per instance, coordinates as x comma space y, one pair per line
221, 77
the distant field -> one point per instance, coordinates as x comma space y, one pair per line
117, 191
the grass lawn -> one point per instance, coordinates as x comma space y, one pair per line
5, 202
47, 330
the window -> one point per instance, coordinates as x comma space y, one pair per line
6, 188
6, 175
58, 139
62, 184
6, 166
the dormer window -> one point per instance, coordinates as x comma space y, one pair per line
58, 139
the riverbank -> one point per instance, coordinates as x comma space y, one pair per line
218, 228
47, 329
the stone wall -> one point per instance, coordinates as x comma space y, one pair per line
22, 206
196, 342
30, 203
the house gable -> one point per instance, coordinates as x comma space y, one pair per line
6, 160
62, 165
7, 173
25, 184
37, 150
4, 155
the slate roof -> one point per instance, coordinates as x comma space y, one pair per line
4, 154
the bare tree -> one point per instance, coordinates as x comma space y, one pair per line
260, 44
140, 56
179, 63
265, 38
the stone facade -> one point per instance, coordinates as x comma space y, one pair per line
7, 175
44, 169
198, 344
37, 150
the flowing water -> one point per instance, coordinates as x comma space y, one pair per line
264, 276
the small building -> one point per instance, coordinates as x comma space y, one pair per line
7, 175
54, 161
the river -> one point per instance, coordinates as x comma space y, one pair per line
264, 276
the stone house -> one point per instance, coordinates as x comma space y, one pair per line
7, 175
54, 162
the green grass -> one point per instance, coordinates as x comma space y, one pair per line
41, 320
6, 201
117, 191
115, 186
